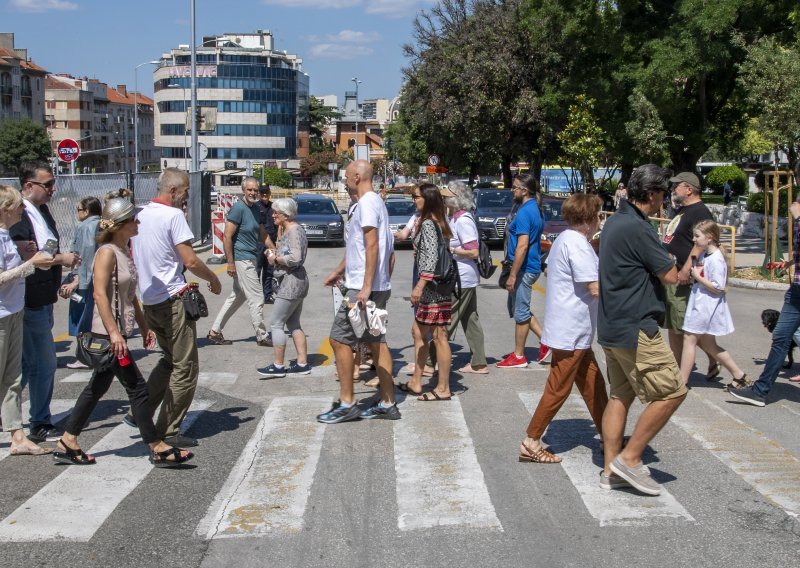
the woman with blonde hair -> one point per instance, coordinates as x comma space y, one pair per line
12, 299
116, 309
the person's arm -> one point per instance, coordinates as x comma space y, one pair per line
669, 276
38, 260
685, 270
227, 245
370, 263
594, 289
148, 336
197, 267
295, 256
520, 257
335, 275
104, 264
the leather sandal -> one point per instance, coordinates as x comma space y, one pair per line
70, 456
538, 456
161, 459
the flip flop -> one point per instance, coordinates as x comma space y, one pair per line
713, 372
468, 368
436, 398
406, 389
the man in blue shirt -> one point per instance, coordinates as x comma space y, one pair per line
524, 234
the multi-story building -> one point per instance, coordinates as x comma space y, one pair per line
253, 100
101, 119
376, 109
355, 128
21, 83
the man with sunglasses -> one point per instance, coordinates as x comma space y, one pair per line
37, 231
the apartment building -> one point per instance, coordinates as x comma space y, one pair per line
21, 83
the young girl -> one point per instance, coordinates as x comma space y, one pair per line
707, 313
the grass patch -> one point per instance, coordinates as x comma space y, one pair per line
754, 273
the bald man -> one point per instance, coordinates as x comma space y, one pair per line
366, 270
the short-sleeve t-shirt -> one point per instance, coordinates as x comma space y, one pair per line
245, 239
631, 295
161, 229
370, 211
527, 221
570, 311
12, 294
678, 236
464, 230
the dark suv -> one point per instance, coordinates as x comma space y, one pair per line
492, 209
319, 217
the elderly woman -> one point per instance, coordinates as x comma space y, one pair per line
433, 308
77, 284
287, 257
465, 246
115, 285
12, 299
570, 318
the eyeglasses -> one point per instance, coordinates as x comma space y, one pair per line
49, 185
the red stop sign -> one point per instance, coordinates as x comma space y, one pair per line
68, 150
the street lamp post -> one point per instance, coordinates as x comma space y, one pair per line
185, 146
355, 148
136, 110
195, 156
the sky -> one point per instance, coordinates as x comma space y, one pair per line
106, 39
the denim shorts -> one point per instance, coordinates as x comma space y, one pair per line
519, 301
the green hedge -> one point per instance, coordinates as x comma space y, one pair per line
717, 177
755, 202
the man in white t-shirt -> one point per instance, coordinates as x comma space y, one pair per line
161, 250
366, 269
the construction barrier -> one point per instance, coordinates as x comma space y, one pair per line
217, 234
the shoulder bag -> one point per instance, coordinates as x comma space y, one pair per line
93, 351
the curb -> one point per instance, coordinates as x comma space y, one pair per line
757, 284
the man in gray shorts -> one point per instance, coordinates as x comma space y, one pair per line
366, 269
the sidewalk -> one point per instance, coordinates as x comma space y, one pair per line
750, 253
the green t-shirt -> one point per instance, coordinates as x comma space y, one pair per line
246, 238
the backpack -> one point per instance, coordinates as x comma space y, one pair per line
486, 266
446, 279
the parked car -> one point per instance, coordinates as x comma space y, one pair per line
554, 225
319, 217
400, 211
492, 210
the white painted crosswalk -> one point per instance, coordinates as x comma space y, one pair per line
77, 502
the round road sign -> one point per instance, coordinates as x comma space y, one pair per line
433, 160
68, 150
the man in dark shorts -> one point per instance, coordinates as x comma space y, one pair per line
366, 269
679, 242
633, 267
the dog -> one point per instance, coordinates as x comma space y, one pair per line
769, 318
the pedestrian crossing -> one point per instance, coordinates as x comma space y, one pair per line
268, 490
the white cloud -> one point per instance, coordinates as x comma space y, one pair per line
395, 8
322, 4
42, 5
345, 36
340, 50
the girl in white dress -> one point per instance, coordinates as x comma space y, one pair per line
707, 313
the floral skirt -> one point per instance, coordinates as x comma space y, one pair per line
437, 313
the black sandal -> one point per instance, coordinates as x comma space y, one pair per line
72, 457
159, 459
407, 389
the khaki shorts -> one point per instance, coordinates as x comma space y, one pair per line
648, 372
677, 297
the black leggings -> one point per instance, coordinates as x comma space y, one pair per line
136, 387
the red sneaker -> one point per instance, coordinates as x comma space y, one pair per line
544, 353
512, 361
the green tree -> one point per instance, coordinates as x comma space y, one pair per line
320, 116
22, 140
408, 145
646, 130
582, 140
769, 75
275, 177
718, 176
317, 164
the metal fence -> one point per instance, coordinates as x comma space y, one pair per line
70, 189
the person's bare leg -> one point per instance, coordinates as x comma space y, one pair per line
614, 419
444, 358
383, 366
19, 440
420, 354
535, 326
688, 355
344, 367
521, 337
709, 344
650, 423
676, 344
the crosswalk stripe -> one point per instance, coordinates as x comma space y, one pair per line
82, 377
207, 379
767, 466
433, 457
610, 508
76, 503
59, 409
268, 488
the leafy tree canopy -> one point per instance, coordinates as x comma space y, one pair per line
22, 140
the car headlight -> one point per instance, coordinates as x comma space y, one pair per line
486, 220
335, 224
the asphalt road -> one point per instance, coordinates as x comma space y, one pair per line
441, 487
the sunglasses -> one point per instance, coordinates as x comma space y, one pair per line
48, 185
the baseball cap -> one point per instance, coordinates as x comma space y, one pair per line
686, 177
264, 189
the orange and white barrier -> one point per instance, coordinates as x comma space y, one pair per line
217, 234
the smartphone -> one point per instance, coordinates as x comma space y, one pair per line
694, 261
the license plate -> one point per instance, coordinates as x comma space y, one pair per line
314, 232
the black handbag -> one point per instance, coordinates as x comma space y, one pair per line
446, 279
505, 272
95, 351
194, 304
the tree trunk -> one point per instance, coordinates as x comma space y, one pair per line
473, 172
587, 175
685, 161
505, 166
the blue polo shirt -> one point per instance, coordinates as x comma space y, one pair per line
246, 238
528, 221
